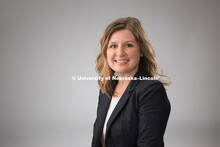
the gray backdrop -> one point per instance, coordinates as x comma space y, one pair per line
43, 43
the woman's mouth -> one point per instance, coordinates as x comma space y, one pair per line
121, 62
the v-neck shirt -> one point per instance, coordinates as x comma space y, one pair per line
112, 106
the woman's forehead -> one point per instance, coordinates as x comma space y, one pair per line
122, 36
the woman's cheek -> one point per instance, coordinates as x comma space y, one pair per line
110, 57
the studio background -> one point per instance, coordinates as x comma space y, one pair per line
43, 43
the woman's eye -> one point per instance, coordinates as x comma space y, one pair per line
129, 45
112, 46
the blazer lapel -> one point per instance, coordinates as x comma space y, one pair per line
107, 100
123, 99
117, 109
104, 105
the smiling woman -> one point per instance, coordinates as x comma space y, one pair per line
123, 53
131, 113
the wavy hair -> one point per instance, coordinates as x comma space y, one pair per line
148, 60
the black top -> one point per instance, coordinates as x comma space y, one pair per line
140, 117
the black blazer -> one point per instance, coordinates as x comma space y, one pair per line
138, 120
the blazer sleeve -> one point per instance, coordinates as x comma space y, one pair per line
153, 113
94, 125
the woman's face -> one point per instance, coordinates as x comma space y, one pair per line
123, 53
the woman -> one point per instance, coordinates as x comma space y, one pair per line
131, 112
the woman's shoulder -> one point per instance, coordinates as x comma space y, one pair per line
146, 80
149, 84
151, 91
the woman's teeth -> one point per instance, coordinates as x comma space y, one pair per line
121, 61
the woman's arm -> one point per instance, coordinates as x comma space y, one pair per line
154, 110
94, 125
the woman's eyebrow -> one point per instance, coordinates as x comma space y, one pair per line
112, 42
123, 41
130, 41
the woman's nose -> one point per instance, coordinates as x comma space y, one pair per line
120, 51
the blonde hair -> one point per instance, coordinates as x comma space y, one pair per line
148, 60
